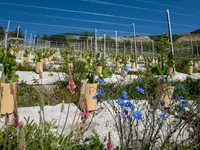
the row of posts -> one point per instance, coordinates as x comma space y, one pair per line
116, 39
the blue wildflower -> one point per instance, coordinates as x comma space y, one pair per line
182, 97
124, 95
139, 89
100, 91
141, 81
175, 96
126, 69
130, 105
99, 80
95, 97
181, 89
126, 112
162, 103
183, 105
121, 102
161, 116
172, 84
162, 80
137, 115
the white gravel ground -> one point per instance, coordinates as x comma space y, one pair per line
102, 122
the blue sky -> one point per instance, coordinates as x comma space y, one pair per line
33, 15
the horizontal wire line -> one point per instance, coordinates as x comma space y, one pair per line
156, 3
92, 13
82, 12
97, 21
28, 28
136, 7
120, 5
106, 30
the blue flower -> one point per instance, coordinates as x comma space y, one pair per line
161, 80
181, 89
182, 97
137, 115
121, 102
161, 116
175, 96
141, 81
183, 105
126, 69
100, 91
95, 97
139, 89
99, 80
130, 105
162, 103
172, 84
126, 112
124, 95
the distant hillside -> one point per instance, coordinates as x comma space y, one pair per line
79, 34
186, 38
196, 31
157, 38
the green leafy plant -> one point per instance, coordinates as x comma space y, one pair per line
26, 53
88, 54
170, 60
124, 60
8, 60
68, 53
91, 69
45, 53
38, 55
99, 59
132, 59
52, 51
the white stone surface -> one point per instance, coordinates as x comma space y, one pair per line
27, 76
101, 121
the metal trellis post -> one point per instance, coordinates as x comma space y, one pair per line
116, 44
191, 42
134, 37
170, 32
18, 32
104, 44
95, 44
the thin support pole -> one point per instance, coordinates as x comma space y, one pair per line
81, 49
116, 44
153, 46
141, 47
91, 43
30, 38
25, 38
124, 48
131, 46
18, 32
6, 37
191, 43
170, 32
170, 35
87, 44
104, 46
95, 44
134, 38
